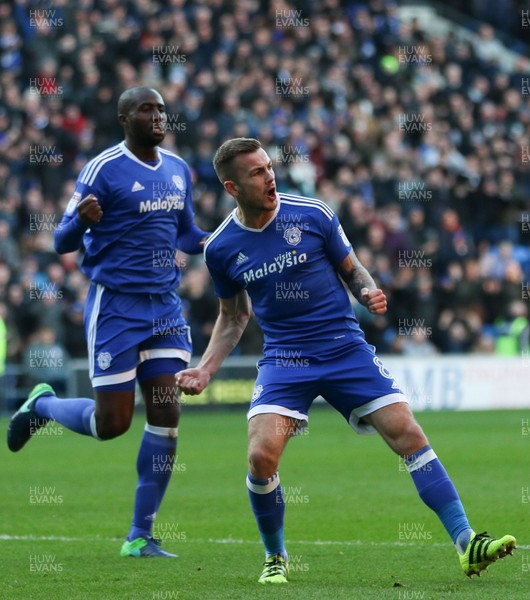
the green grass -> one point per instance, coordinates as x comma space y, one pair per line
347, 500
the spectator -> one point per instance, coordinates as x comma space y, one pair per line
451, 182
47, 360
513, 333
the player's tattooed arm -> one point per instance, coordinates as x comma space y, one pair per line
233, 317
362, 285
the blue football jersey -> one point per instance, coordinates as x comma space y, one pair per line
288, 268
147, 209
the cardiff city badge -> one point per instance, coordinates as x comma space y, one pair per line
292, 236
179, 182
257, 392
104, 360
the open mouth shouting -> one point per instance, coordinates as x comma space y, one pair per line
271, 192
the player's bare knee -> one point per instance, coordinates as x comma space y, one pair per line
415, 432
163, 416
110, 428
262, 463
410, 439
404, 435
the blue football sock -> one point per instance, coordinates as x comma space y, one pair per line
154, 465
439, 493
74, 413
266, 500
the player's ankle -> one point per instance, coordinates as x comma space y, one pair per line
462, 541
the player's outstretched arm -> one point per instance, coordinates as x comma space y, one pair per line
234, 314
362, 285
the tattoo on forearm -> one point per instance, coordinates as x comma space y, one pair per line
357, 277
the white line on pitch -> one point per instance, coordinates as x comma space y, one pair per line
60, 538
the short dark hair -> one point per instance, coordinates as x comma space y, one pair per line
224, 157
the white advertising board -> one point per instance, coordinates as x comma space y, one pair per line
462, 382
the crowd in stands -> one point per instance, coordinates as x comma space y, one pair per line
417, 142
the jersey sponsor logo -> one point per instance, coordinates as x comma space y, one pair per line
168, 204
343, 236
241, 258
137, 187
292, 236
73, 203
104, 360
286, 260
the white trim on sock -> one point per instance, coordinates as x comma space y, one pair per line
171, 432
272, 483
421, 461
93, 429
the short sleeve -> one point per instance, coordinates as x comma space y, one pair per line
83, 187
337, 244
224, 286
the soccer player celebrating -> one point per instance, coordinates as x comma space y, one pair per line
132, 210
291, 256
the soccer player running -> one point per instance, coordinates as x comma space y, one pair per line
131, 209
290, 255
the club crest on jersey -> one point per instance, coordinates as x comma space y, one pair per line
292, 236
104, 360
179, 182
257, 392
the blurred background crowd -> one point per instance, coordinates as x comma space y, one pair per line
417, 140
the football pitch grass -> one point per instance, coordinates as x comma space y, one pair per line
355, 528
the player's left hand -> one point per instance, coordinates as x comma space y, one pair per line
374, 300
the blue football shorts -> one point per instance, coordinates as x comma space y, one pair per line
355, 383
125, 330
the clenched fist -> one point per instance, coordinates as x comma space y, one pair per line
374, 300
192, 381
89, 211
